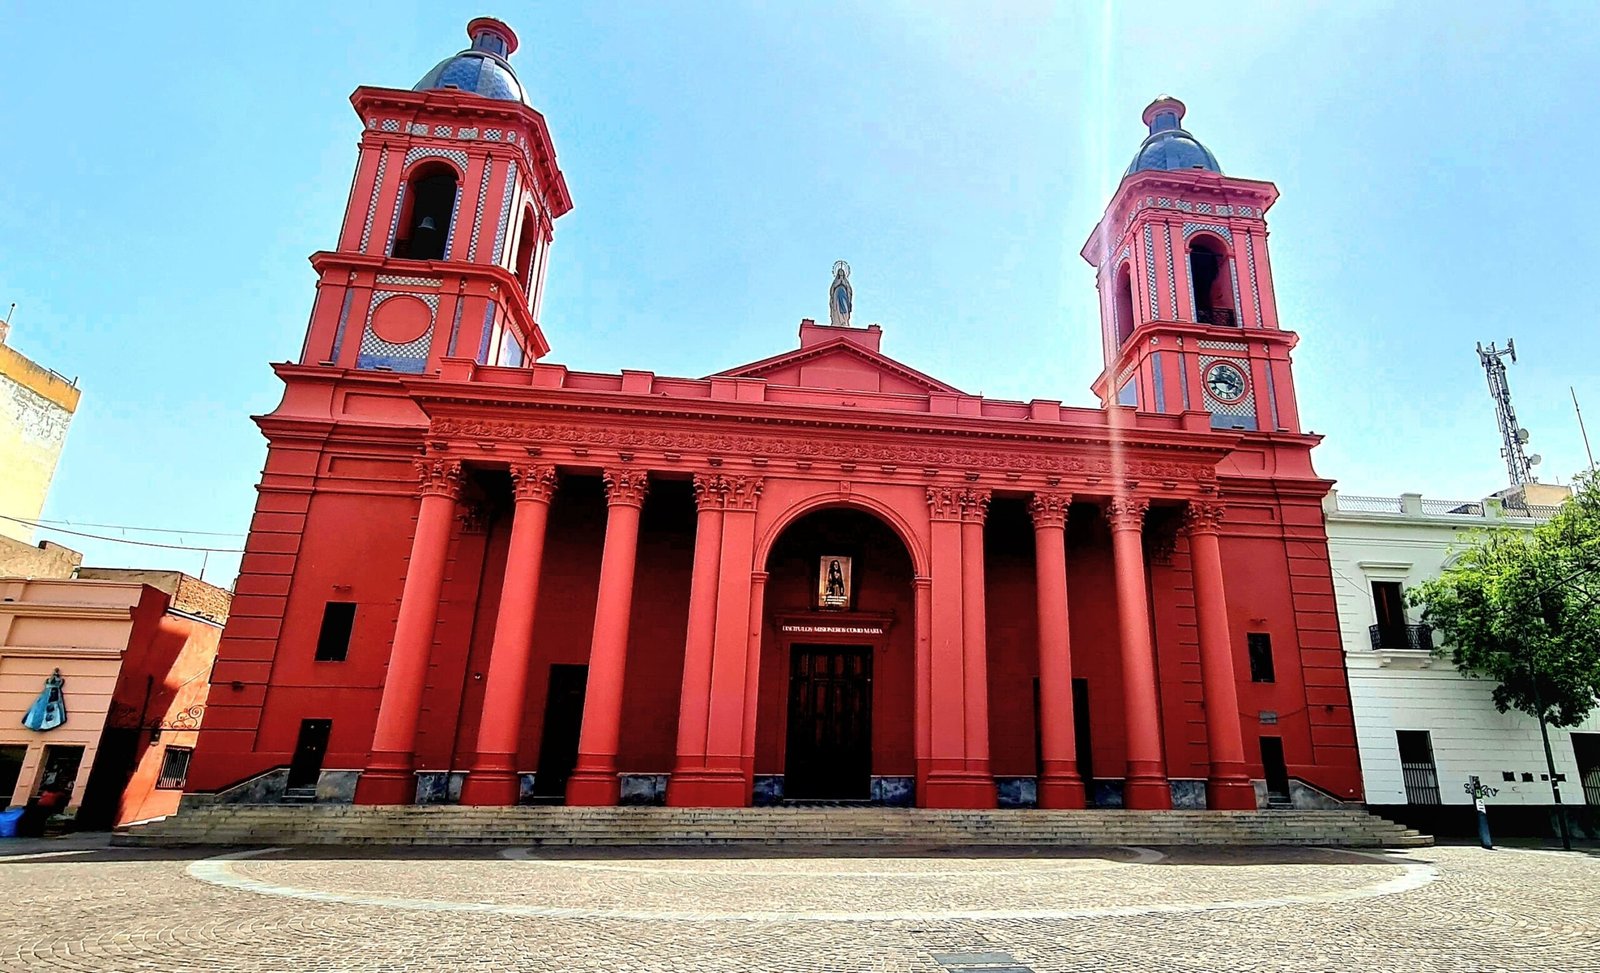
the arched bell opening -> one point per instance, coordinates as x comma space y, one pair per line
425, 213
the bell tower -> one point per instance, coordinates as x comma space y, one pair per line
1189, 321
449, 224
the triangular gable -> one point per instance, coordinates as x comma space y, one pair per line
840, 365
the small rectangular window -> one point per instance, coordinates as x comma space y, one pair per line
338, 618
174, 768
1260, 644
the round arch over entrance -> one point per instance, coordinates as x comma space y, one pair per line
836, 707
909, 537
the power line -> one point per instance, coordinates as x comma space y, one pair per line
124, 540
41, 522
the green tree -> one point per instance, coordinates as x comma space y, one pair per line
1522, 608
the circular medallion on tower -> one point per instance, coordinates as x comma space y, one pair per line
401, 320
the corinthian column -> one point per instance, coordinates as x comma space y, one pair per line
1146, 785
694, 701
1059, 783
494, 773
1228, 786
594, 778
388, 778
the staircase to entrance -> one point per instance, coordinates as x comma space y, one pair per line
250, 824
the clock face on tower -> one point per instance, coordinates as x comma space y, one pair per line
1225, 382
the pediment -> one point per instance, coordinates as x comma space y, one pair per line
840, 365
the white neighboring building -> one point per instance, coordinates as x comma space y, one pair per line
1422, 727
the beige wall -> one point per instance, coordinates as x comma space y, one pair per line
36, 405
46, 559
80, 627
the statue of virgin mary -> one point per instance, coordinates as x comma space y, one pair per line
50, 709
841, 297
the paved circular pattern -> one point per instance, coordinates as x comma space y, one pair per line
868, 889
1124, 909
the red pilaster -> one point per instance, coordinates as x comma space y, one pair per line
1059, 783
974, 630
922, 590
725, 781
594, 778
388, 778
1146, 785
694, 705
1228, 787
957, 761
493, 779
752, 675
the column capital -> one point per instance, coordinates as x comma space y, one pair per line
1049, 509
974, 506
710, 491
1203, 517
626, 487
533, 482
1126, 513
743, 492
944, 503
438, 477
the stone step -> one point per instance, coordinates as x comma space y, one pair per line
451, 825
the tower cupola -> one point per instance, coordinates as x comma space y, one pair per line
481, 69
1169, 147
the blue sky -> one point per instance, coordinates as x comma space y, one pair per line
169, 167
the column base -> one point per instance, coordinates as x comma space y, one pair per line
593, 788
957, 791
1061, 793
705, 787
386, 785
1233, 793
1146, 793
491, 787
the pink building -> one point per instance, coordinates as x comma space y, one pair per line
134, 651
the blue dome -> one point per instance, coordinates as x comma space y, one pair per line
1168, 148
482, 69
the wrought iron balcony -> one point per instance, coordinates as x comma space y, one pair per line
1223, 316
1417, 637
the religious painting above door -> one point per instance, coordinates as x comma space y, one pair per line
833, 583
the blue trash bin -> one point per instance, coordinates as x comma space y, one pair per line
9, 821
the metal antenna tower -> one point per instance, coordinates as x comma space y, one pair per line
1513, 437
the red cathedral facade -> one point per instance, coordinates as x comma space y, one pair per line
477, 576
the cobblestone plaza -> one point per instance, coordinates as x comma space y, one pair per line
88, 907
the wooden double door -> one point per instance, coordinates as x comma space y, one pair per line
829, 750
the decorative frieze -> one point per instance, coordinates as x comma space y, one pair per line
822, 447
